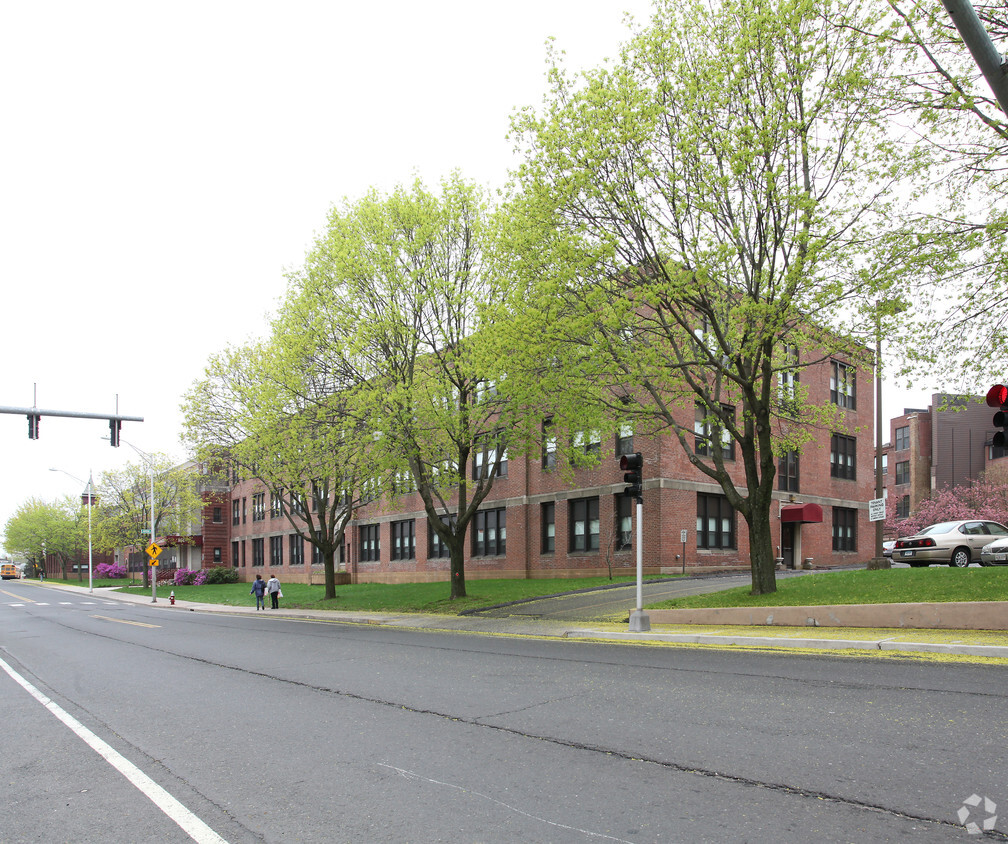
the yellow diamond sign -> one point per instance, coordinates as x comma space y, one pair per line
153, 550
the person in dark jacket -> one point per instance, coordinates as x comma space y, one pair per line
259, 590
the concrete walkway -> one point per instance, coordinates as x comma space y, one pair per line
924, 641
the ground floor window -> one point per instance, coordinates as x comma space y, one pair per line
489, 535
584, 524
234, 554
296, 550
715, 522
549, 527
276, 550
404, 540
370, 548
624, 522
844, 529
258, 555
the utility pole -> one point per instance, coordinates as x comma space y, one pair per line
991, 63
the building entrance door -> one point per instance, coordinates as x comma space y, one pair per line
787, 544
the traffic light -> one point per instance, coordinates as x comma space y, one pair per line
114, 425
33, 425
632, 464
997, 396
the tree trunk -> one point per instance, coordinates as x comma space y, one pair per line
456, 547
761, 556
329, 563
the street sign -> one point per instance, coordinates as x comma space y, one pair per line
682, 536
145, 531
876, 510
152, 551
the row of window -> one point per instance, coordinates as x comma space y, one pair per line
715, 530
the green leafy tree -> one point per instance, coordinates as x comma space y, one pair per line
956, 326
56, 527
704, 218
123, 516
394, 295
275, 411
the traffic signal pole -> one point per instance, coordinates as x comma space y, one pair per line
633, 467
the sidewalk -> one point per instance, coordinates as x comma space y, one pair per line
973, 643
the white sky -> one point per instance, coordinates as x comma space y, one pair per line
161, 164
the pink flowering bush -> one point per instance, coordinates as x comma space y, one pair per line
186, 577
110, 570
986, 498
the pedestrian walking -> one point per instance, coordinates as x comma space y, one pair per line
259, 590
273, 587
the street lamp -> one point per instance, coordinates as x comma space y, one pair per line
89, 495
149, 460
891, 307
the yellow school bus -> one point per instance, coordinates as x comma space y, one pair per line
8, 571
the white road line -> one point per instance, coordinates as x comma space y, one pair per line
190, 824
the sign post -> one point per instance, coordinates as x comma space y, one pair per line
153, 550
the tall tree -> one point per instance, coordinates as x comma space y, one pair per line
55, 527
697, 222
275, 411
123, 518
957, 324
395, 293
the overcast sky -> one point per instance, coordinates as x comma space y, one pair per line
162, 164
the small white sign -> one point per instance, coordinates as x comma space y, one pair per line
876, 509
682, 536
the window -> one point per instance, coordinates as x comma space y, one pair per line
903, 472
257, 552
234, 554
297, 501
624, 440
885, 464
217, 515
843, 389
902, 438
584, 524
715, 522
296, 545
436, 547
787, 379
843, 457
624, 522
489, 536
549, 446
276, 505
844, 529
217, 554
317, 557
485, 455
235, 512
903, 507
276, 550
319, 496
787, 472
244, 510
370, 547
706, 430
548, 527
259, 507
404, 540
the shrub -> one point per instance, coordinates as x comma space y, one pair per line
110, 570
186, 577
221, 574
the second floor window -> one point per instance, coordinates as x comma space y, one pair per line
708, 433
843, 457
584, 524
235, 512
549, 456
902, 439
787, 472
624, 440
258, 506
276, 505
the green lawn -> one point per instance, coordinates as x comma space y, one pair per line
376, 597
886, 586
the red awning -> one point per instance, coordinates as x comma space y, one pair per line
801, 513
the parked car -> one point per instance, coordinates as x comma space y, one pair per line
953, 543
995, 553
887, 547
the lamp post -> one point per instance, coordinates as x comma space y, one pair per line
149, 460
890, 307
89, 495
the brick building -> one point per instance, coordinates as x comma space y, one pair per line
538, 523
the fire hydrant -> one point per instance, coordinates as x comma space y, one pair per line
172, 598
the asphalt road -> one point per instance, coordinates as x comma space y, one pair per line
270, 729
